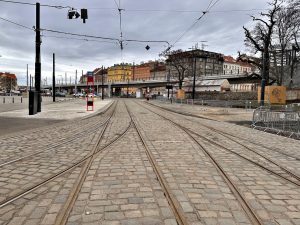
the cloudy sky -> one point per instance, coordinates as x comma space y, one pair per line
162, 20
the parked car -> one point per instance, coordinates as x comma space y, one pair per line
60, 94
78, 95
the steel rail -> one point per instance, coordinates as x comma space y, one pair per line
62, 141
255, 220
173, 202
51, 178
286, 175
209, 127
63, 216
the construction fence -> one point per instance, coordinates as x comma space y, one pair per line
285, 123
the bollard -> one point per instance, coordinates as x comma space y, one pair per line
3, 100
21, 99
13, 100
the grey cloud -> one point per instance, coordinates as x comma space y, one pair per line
223, 31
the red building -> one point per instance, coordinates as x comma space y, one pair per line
8, 81
141, 72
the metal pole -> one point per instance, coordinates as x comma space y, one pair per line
65, 78
27, 81
38, 57
76, 82
127, 87
102, 86
10, 85
263, 81
53, 79
133, 72
194, 79
168, 80
30, 82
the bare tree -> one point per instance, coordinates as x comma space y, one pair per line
286, 29
260, 38
182, 62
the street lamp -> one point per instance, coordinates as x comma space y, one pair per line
60, 83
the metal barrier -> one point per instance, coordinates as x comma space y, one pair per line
246, 104
286, 123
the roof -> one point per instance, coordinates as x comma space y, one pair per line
211, 82
217, 82
229, 59
9, 75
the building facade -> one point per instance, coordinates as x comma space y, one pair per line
8, 82
206, 63
141, 72
98, 74
233, 67
119, 73
159, 71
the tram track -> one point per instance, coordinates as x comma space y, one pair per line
223, 132
173, 202
109, 136
273, 167
231, 184
63, 216
80, 163
88, 128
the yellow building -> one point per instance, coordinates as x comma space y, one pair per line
119, 72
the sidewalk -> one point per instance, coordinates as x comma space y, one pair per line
62, 110
15, 118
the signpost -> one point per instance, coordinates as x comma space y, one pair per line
90, 92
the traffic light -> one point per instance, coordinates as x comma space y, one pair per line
84, 14
72, 13
77, 14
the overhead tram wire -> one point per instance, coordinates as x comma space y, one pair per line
20, 25
78, 39
79, 35
181, 11
210, 6
33, 4
59, 32
82, 35
137, 10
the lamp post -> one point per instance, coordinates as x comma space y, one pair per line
102, 81
194, 78
60, 82
38, 42
53, 79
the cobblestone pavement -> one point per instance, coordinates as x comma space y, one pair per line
13, 146
275, 200
122, 187
54, 154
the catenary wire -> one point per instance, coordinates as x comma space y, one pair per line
82, 35
33, 4
79, 39
210, 6
79, 35
181, 11
20, 25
